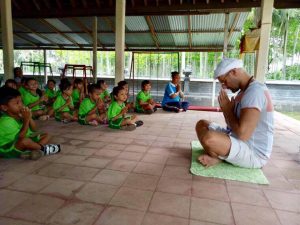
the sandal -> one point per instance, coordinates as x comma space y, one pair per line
139, 123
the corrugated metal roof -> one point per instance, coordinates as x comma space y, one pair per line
168, 31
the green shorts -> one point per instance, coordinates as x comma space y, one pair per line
117, 123
10, 151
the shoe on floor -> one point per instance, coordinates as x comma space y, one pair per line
139, 123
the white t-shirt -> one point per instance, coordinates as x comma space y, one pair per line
258, 96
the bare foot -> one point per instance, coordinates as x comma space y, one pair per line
208, 161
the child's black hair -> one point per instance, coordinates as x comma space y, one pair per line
7, 94
100, 82
10, 81
78, 81
16, 69
29, 79
174, 73
122, 83
51, 80
144, 83
116, 91
92, 88
64, 84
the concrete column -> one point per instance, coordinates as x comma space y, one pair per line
262, 56
95, 42
7, 39
45, 68
120, 40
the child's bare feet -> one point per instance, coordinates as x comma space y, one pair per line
208, 161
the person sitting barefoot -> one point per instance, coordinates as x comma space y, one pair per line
117, 110
144, 102
18, 137
247, 140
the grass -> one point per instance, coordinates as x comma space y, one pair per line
295, 115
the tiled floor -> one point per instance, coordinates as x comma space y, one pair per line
111, 177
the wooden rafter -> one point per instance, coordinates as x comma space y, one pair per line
236, 19
46, 3
58, 4
25, 39
84, 3
132, 3
58, 32
180, 2
112, 27
194, 2
73, 3
145, 2
153, 34
36, 5
189, 30
157, 3
32, 31
170, 2
110, 3
86, 30
15, 3
98, 3
207, 1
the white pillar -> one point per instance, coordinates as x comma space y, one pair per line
120, 40
95, 42
225, 35
7, 39
262, 56
45, 68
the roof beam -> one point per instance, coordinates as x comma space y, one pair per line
189, 31
86, 30
132, 3
169, 1
36, 5
32, 31
145, 2
153, 34
47, 4
58, 32
27, 40
236, 19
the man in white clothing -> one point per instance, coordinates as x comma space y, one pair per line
247, 141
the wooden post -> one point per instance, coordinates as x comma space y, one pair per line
95, 30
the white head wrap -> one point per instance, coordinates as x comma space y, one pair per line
226, 65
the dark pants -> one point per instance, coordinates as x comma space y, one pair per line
176, 106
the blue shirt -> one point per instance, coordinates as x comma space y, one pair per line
170, 90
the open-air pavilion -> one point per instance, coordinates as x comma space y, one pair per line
112, 177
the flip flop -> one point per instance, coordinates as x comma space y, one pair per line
139, 123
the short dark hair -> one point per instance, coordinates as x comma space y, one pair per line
78, 81
7, 94
16, 69
144, 83
51, 80
29, 79
99, 82
64, 84
122, 83
174, 73
10, 81
92, 88
116, 90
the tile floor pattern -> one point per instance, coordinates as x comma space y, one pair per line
111, 177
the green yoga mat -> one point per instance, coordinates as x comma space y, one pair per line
224, 170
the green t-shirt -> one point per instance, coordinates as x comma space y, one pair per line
104, 94
76, 96
86, 106
9, 132
59, 102
29, 98
22, 90
51, 93
114, 109
142, 96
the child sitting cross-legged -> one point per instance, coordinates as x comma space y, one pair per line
34, 101
144, 102
117, 110
91, 109
104, 94
63, 105
50, 91
17, 137
78, 92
